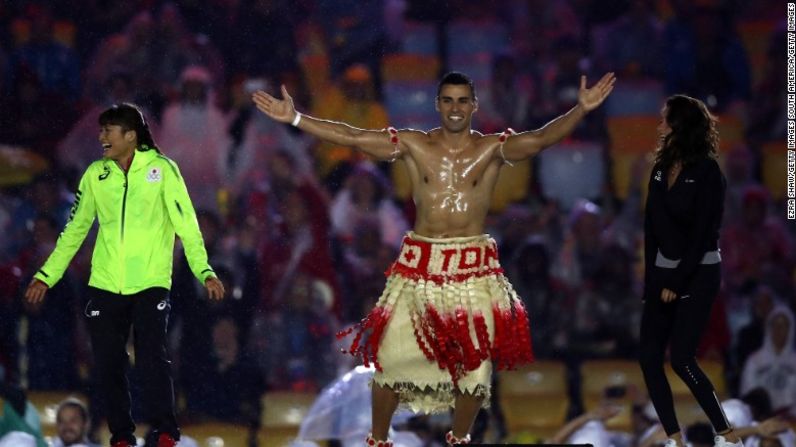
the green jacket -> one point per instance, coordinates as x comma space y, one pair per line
28, 422
139, 212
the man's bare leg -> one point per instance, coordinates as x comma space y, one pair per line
384, 403
464, 413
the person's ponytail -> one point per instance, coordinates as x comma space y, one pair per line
145, 139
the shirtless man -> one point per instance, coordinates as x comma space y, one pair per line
446, 290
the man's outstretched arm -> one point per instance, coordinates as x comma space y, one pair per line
377, 143
527, 144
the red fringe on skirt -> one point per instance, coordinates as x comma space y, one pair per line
445, 338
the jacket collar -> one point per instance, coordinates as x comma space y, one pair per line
142, 159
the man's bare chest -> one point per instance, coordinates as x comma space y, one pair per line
454, 169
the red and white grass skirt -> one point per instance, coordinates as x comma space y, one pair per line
446, 316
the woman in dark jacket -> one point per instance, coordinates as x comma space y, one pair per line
682, 260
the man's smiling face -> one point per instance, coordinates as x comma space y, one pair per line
456, 106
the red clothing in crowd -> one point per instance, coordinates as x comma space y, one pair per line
286, 242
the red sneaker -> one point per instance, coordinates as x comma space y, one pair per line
165, 440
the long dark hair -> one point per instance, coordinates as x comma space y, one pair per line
693, 136
130, 117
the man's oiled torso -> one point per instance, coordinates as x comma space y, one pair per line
451, 187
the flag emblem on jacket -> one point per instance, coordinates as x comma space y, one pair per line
153, 175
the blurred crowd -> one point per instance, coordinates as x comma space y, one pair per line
301, 231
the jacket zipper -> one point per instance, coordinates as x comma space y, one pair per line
124, 207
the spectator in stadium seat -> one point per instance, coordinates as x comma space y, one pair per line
71, 424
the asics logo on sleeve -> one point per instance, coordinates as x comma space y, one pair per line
75, 204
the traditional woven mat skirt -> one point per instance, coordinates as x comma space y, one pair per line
447, 314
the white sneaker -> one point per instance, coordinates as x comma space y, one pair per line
670, 443
719, 441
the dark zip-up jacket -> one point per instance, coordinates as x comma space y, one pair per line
682, 222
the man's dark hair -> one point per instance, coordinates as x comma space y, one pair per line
74, 403
456, 78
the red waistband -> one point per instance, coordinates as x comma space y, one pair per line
444, 261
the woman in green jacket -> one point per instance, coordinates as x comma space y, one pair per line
141, 202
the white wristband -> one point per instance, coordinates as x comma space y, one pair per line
296, 120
